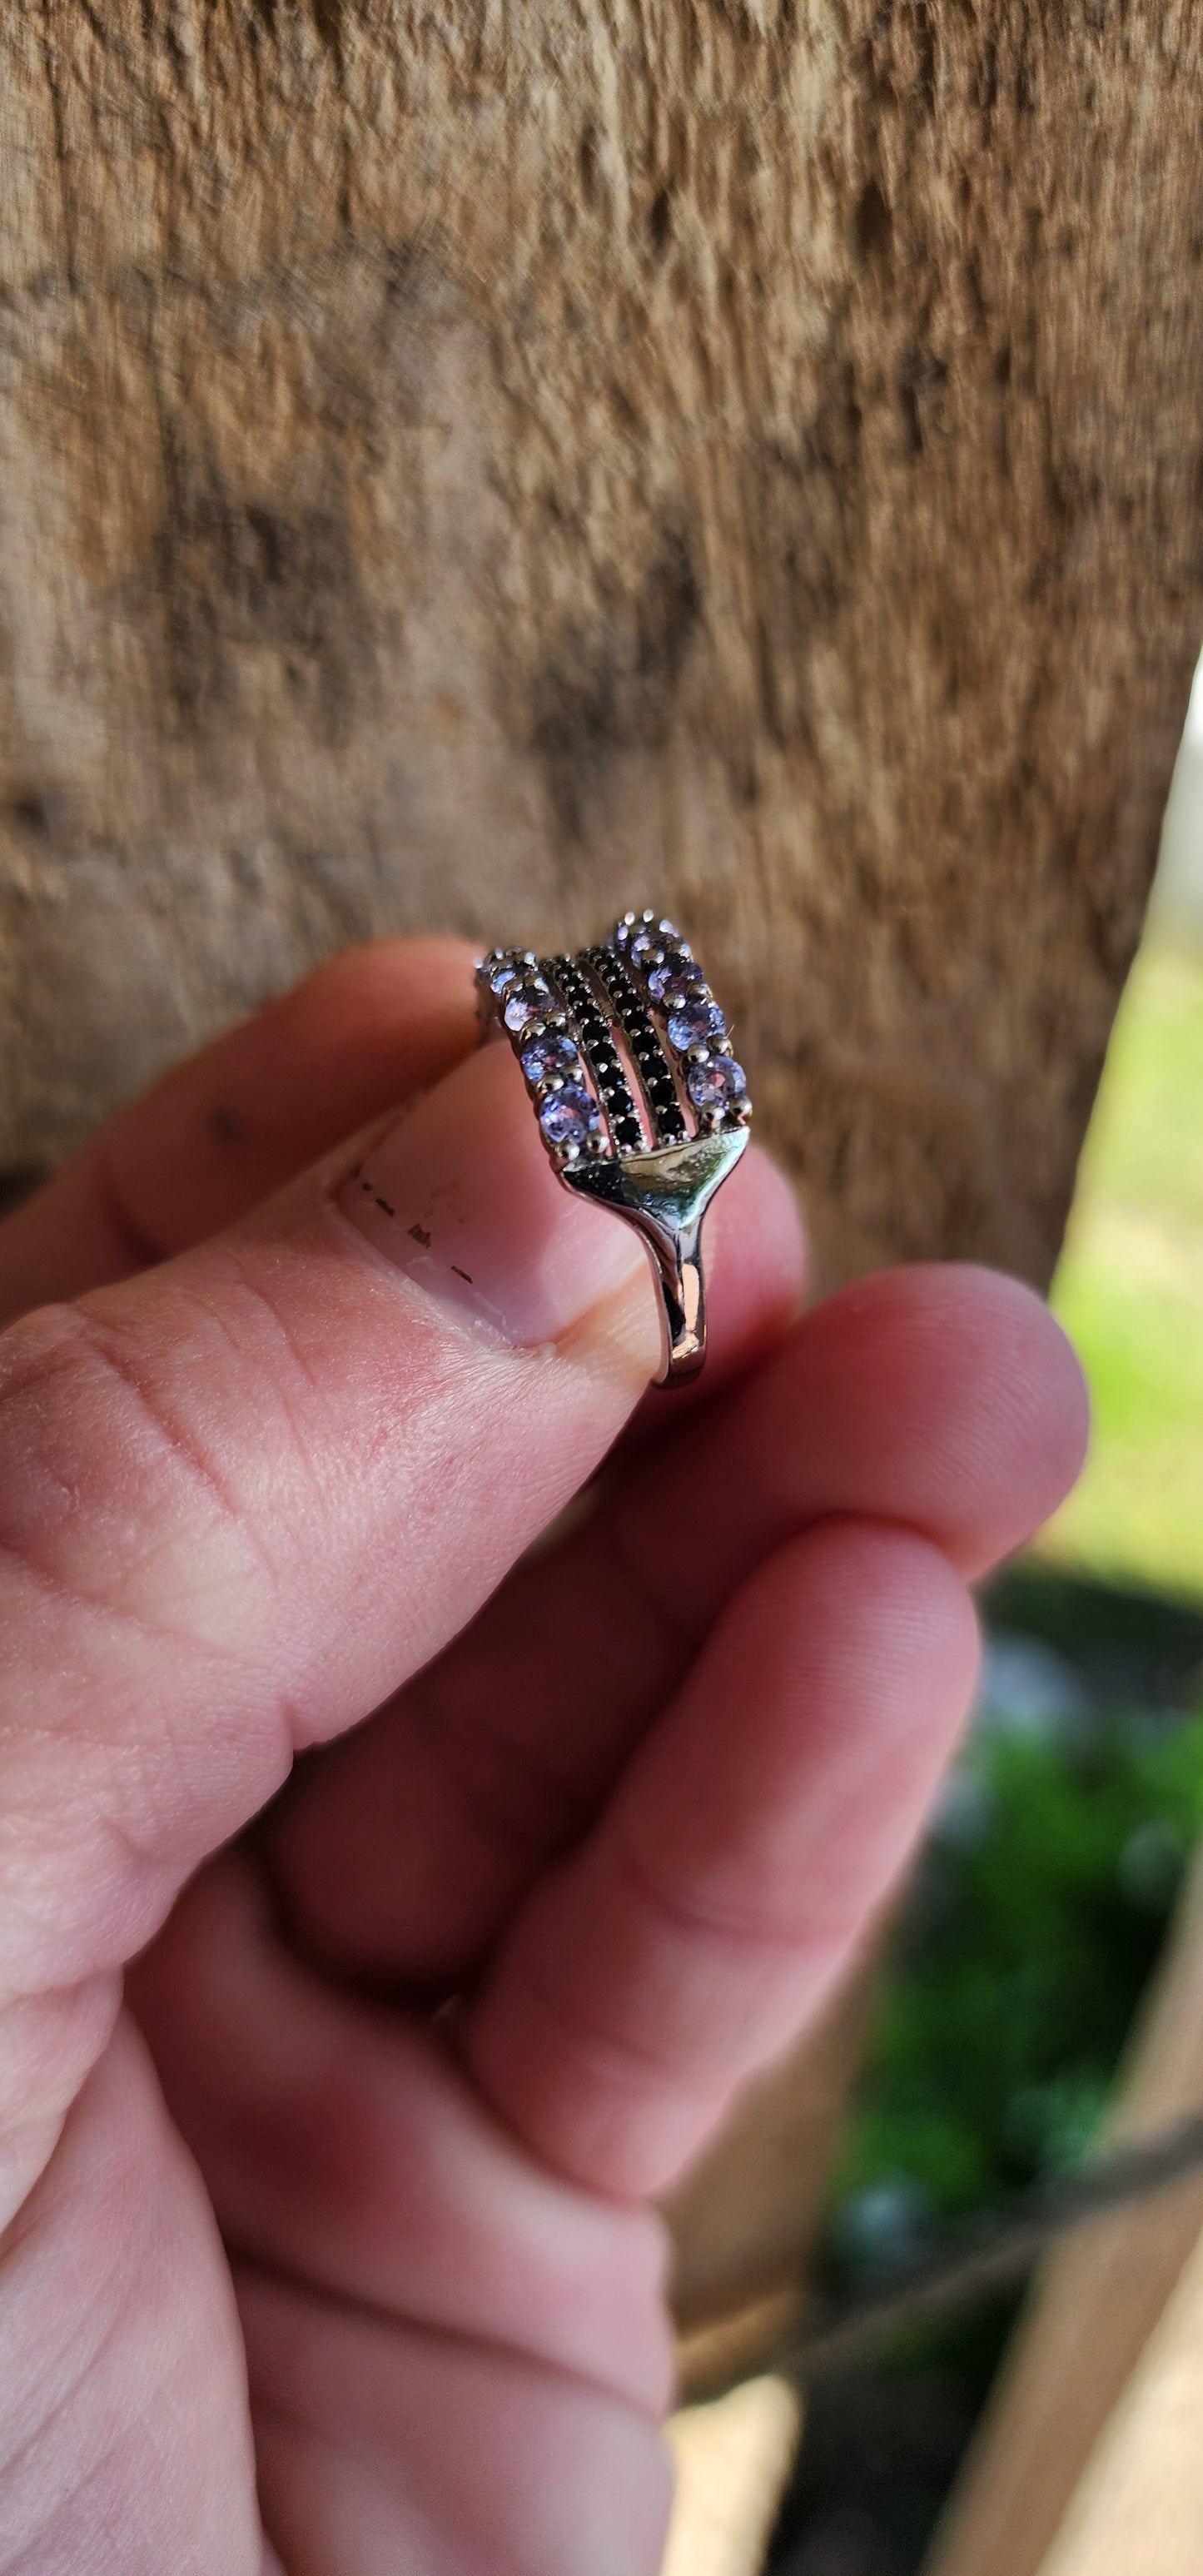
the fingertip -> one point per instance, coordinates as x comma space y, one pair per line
1032, 1428
1046, 1384
977, 1390
387, 979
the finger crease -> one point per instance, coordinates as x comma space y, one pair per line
693, 1916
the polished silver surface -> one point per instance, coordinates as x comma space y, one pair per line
665, 1195
641, 1104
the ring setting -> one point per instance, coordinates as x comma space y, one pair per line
641, 1103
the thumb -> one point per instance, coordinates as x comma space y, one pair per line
245, 1495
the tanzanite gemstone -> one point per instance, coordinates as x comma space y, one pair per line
671, 981
567, 1117
640, 936
503, 975
550, 1054
718, 1084
695, 1021
648, 938
528, 1002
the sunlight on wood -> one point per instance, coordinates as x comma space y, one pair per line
1139, 2509
733, 2458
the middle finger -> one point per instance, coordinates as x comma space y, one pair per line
943, 1398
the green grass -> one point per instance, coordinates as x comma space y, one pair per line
1129, 1291
1027, 1943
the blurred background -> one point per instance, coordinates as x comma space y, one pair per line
1058, 1858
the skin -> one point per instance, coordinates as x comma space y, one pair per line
458, 1907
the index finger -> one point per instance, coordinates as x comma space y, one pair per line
246, 1494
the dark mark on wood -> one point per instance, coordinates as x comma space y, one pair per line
383, 1203
462, 1274
420, 1235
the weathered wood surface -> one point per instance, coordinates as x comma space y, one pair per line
1139, 2509
1098, 2302
477, 466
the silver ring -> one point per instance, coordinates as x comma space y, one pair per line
640, 1102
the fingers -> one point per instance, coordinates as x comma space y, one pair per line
220, 1133
242, 1496
343, 2146
940, 1394
944, 1398
121, 2362
382, 2448
753, 1835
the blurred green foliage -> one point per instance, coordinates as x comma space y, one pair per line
1030, 1934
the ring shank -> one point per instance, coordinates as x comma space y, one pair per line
616, 1045
682, 1288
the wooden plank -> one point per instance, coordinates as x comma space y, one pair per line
1139, 2508
733, 2458
1094, 2308
478, 467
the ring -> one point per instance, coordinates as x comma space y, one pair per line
640, 1102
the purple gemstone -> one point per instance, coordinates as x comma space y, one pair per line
549, 1054
719, 1084
694, 1022
567, 1117
671, 981
503, 975
528, 1003
649, 937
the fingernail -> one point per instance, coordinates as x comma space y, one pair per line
460, 1196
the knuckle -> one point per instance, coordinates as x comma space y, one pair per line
92, 1453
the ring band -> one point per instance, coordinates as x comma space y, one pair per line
640, 1102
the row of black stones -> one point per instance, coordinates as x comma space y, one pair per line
655, 1071
649, 947
592, 1032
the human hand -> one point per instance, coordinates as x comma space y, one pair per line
287, 2252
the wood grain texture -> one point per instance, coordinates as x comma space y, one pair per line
481, 465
